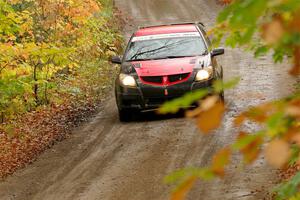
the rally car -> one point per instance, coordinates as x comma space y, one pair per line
162, 63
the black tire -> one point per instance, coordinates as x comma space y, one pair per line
125, 115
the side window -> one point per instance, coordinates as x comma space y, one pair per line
205, 35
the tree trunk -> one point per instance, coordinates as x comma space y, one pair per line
2, 118
35, 86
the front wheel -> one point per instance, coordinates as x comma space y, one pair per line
126, 115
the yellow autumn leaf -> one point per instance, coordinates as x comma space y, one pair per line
252, 149
220, 160
209, 102
293, 111
193, 113
273, 31
277, 153
239, 119
183, 189
210, 119
296, 67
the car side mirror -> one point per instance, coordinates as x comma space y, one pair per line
116, 60
217, 52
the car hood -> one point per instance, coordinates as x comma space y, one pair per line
172, 66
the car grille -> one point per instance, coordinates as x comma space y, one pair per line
153, 79
171, 78
155, 101
178, 77
158, 101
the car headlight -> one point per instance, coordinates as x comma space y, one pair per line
204, 74
127, 80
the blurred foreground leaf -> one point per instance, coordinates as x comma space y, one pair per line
288, 189
249, 145
220, 160
210, 118
183, 189
183, 102
185, 179
278, 153
220, 86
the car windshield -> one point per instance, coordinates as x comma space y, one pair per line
165, 48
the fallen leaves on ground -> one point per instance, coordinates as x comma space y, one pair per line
288, 172
36, 131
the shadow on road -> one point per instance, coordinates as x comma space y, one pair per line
154, 116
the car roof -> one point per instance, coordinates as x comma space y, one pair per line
166, 29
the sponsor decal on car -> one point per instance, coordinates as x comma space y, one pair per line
165, 36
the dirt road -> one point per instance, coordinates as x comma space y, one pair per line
109, 160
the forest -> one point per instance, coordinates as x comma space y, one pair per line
53, 68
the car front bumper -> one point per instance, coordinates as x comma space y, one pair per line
148, 97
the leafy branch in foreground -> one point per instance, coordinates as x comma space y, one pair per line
260, 26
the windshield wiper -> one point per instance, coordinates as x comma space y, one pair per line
140, 59
166, 57
159, 58
171, 57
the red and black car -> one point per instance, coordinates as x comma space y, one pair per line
162, 63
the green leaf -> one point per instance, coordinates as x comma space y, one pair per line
288, 189
183, 174
220, 86
295, 154
225, 13
245, 141
183, 102
262, 50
